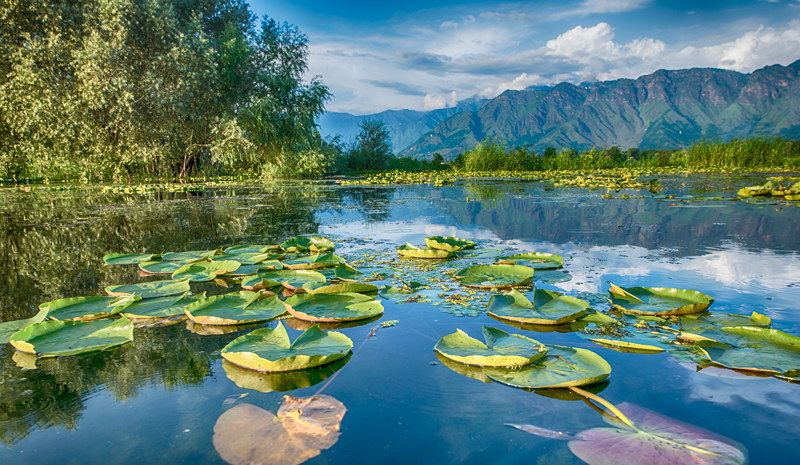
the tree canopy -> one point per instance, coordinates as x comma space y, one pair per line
107, 89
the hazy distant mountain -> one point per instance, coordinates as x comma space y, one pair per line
405, 126
667, 109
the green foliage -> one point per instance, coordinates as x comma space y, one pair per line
372, 149
161, 88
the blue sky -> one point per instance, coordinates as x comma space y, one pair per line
424, 55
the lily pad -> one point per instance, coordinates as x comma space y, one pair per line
409, 250
188, 256
246, 434
161, 307
204, 271
303, 244
562, 367
696, 323
281, 381
10, 327
129, 258
290, 279
451, 244
302, 325
653, 439
547, 308
501, 349
536, 260
250, 248
313, 262
269, 349
218, 330
247, 258
470, 371
247, 270
346, 272
756, 349
338, 288
495, 276
552, 276
658, 301
236, 308
151, 289
627, 347
86, 308
330, 308
161, 267
62, 338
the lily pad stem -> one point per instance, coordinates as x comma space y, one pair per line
605, 403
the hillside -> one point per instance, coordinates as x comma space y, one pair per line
405, 126
667, 109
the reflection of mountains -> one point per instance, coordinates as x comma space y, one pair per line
639, 222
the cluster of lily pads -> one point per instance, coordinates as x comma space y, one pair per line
784, 187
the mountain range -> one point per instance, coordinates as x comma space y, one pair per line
665, 109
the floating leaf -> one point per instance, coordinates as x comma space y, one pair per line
338, 288
627, 347
151, 289
204, 271
86, 308
218, 330
290, 279
281, 381
346, 272
495, 276
470, 371
536, 260
547, 308
10, 327
313, 262
501, 349
331, 308
479, 253
236, 308
269, 349
303, 244
188, 256
250, 248
61, 338
247, 435
409, 250
451, 244
552, 276
302, 325
160, 267
658, 300
266, 265
562, 367
758, 349
129, 259
247, 258
698, 322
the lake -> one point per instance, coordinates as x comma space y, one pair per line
157, 399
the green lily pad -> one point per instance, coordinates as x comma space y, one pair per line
62, 338
495, 276
281, 381
204, 271
536, 260
87, 308
338, 288
409, 250
247, 270
313, 262
346, 272
247, 258
652, 439
552, 276
236, 308
562, 367
627, 347
161, 267
698, 322
303, 244
161, 307
479, 253
302, 325
150, 289
470, 371
290, 279
10, 327
658, 301
250, 248
547, 308
330, 308
128, 258
269, 349
188, 256
451, 244
501, 349
756, 349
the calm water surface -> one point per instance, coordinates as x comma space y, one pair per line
157, 399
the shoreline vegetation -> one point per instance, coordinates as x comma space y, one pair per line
170, 91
